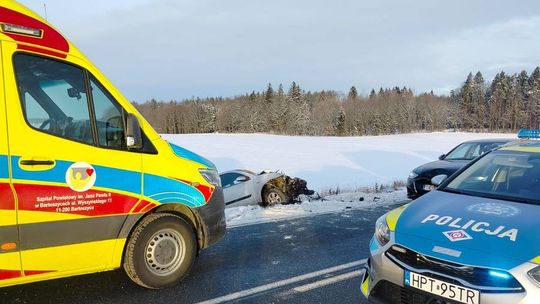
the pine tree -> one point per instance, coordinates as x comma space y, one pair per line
294, 93
339, 123
478, 102
353, 93
498, 100
299, 115
524, 113
372, 94
466, 102
269, 95
513, 112
534, 98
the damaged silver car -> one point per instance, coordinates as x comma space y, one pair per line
244, 187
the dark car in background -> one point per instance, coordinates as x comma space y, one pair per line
419, 180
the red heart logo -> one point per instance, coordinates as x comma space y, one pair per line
89, 171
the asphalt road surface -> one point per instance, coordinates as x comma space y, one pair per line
308, 260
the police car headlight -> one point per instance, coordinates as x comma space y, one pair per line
211, 176
413, 175
382, 232
535, 274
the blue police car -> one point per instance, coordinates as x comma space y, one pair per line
475, 239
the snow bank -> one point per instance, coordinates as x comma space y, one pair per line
327, 162
249, 215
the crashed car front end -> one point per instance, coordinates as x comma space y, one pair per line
292, 187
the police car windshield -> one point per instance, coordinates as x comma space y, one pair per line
508, 175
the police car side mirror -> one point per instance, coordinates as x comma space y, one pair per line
442, 157
133, 132
439, 179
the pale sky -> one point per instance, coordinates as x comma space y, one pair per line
173, 49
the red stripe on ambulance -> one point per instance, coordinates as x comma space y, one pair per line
6, 197
9, 274
64, 200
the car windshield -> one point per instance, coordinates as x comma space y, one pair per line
469, 151
508, 175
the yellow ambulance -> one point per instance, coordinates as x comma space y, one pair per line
86, 184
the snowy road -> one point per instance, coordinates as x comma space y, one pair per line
305, 260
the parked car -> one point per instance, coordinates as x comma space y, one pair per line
472, 240
244, 187
419, 180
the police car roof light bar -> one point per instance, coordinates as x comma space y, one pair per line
529, 133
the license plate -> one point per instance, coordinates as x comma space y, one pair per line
442, 289
429, 187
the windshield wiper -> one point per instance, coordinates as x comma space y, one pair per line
450, 190
492, 196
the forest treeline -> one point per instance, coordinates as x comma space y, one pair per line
505, 104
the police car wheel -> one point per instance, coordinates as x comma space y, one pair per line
274, 196
160, 251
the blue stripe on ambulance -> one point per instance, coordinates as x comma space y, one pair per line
4, 172
184, 153
107, 177
166, 190
161, 189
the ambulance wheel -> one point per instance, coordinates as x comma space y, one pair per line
160, 251
273, 196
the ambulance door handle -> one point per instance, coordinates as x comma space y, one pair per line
36, 164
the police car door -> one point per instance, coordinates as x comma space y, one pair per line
75, 180
10, 266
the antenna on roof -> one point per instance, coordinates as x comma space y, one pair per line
45, 9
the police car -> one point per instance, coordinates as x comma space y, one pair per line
475, 239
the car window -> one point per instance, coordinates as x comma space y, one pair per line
34, 112
228, 179
109, 118
474, 152
504, 174
486, 147
469, 151
57, 89
459, 152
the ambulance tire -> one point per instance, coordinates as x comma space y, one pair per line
160, 251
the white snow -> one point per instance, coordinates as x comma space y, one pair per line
327, 162
249, 215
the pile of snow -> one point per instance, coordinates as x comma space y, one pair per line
327, 162
249, 215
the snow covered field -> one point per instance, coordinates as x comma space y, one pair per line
327, 162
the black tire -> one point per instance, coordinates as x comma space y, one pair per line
274, 196
160, 251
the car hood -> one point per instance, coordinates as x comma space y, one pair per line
440, 167
471, 230
185, 153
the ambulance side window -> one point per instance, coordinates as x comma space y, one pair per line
109, 118
35, 111
59, 90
